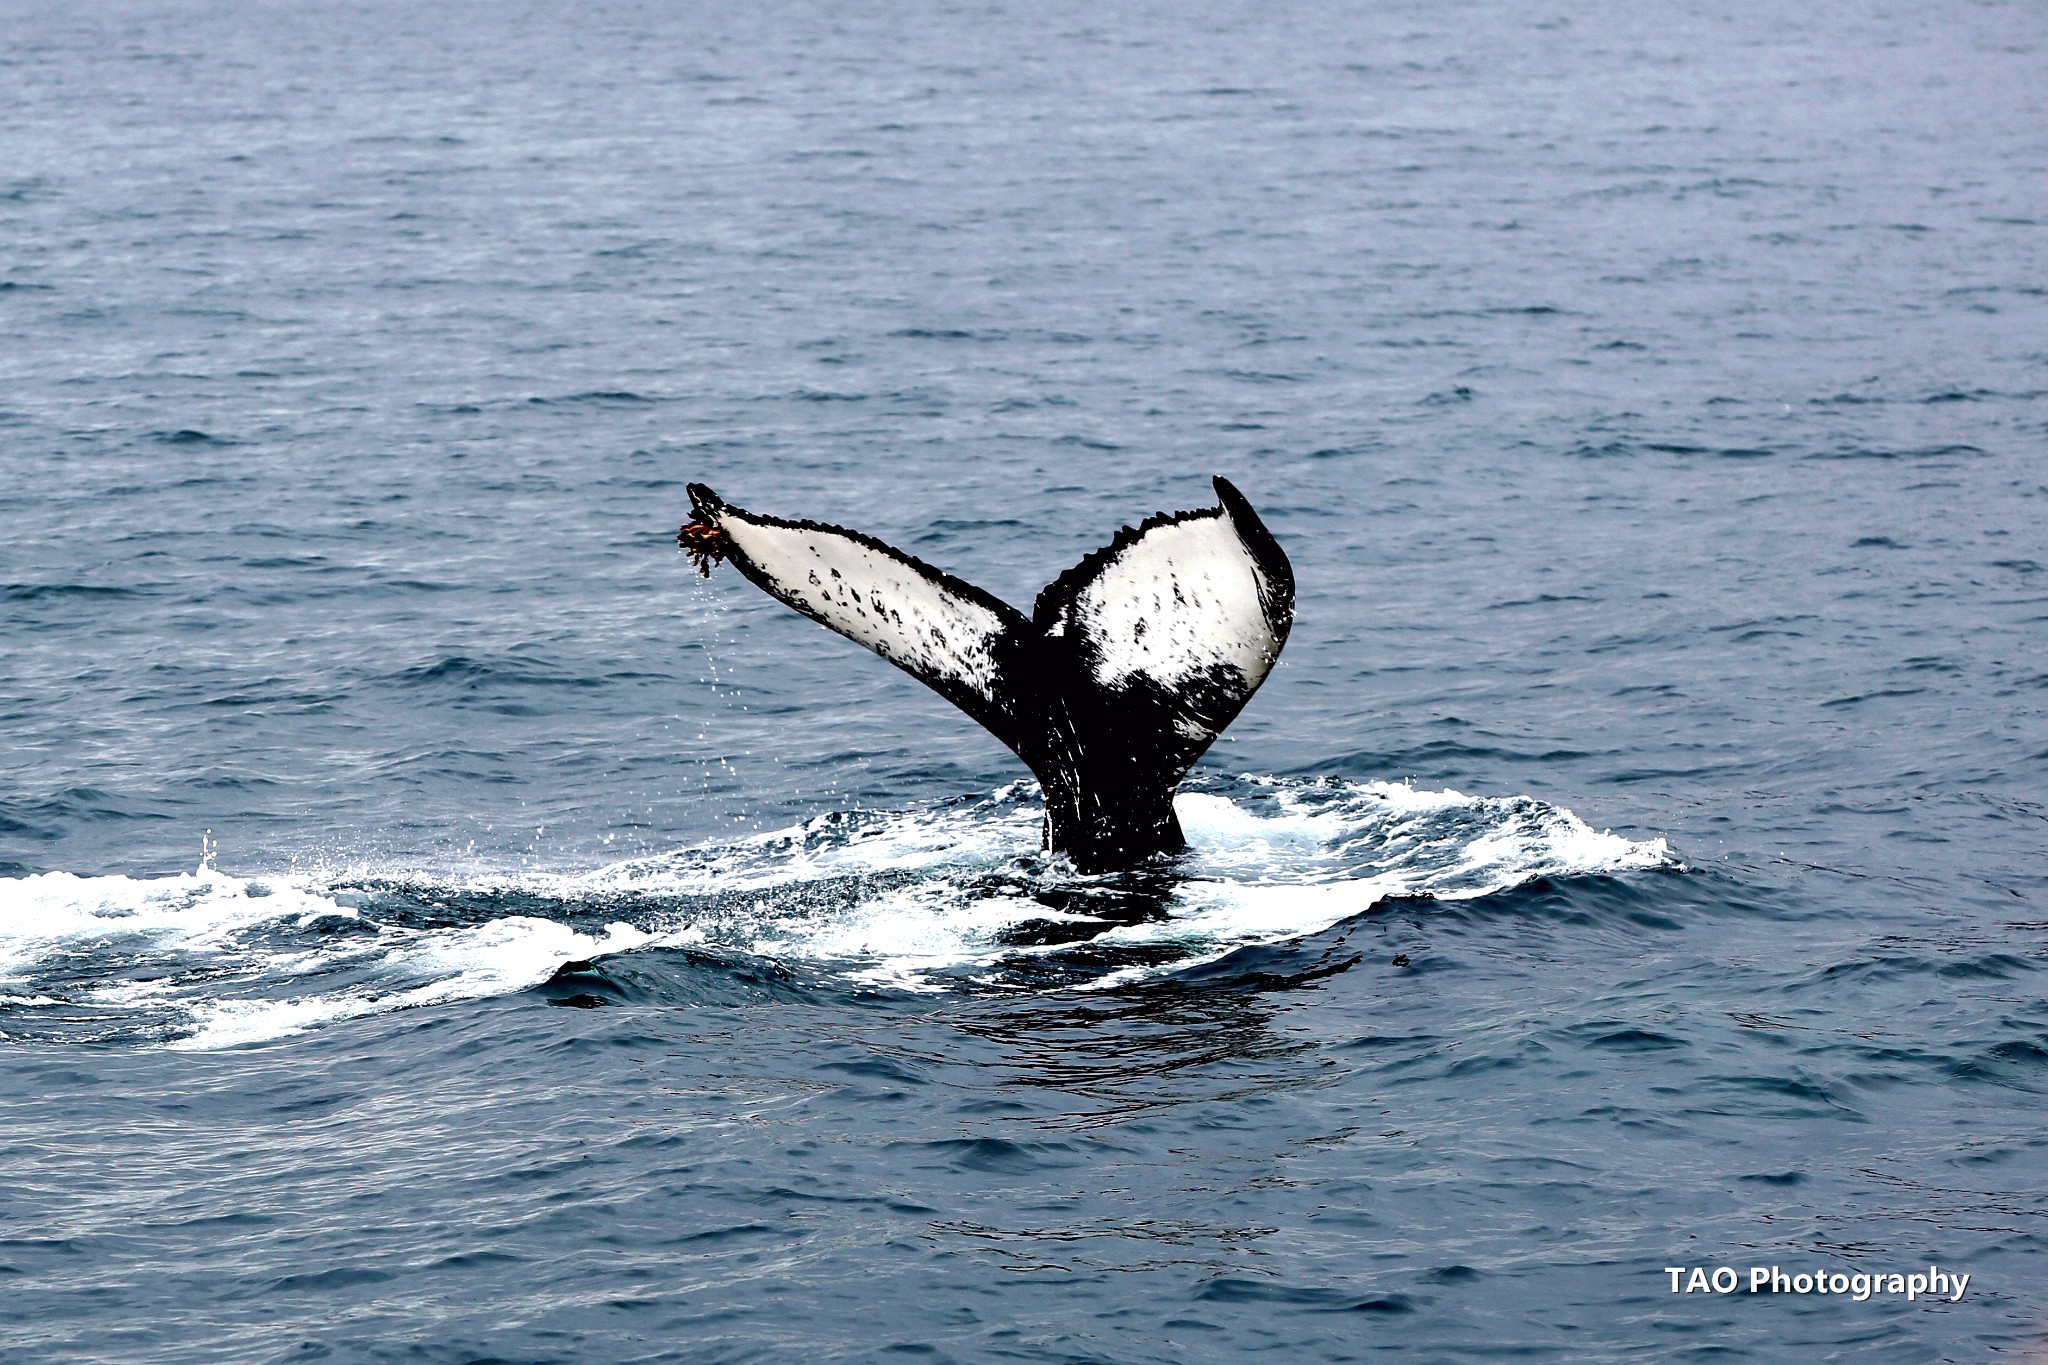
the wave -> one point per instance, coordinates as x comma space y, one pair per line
956, 897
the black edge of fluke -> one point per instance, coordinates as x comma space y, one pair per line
703, 501
1109, 744
1273, 561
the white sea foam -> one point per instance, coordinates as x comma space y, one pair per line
204, 924
911, 901
494, 958
46, 912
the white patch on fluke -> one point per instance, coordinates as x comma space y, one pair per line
1181, 599
874, 599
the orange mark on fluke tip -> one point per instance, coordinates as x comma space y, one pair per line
704, 543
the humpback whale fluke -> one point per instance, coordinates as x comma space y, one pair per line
1129, 666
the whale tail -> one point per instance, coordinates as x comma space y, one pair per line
1129, 666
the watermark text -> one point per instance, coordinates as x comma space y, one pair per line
1932, 1283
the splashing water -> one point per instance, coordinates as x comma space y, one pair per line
955, 897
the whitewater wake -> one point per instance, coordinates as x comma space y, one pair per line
955, 897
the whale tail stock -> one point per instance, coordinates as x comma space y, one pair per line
1129, 666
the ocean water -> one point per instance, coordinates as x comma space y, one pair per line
435, 925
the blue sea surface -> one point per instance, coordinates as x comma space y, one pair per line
437, 926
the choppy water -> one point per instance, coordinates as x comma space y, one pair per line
1637, 859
